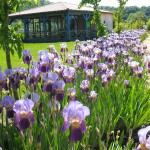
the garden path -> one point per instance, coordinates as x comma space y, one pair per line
147, 42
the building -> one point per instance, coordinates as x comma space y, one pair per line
60, 22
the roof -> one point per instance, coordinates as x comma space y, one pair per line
54, 7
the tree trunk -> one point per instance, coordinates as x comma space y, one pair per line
6, 34
6, 42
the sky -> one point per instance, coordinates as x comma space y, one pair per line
114, 3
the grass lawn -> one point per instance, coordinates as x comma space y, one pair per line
34, 48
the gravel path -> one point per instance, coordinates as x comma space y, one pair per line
147, 42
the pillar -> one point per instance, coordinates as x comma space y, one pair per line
86, 18
68, 26
44, 27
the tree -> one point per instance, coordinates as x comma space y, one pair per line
148, 25
10, 40
137, 19
101, 28
43, 2
128, 10
118, 15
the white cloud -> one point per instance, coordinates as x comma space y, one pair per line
114, 3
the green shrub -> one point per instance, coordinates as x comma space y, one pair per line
148, 25
144, 36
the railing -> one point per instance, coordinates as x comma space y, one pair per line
54, 35
81, 34
76, 34
92, 33
59, 35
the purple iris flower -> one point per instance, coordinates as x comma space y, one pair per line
2, 76
63, 47
126, 82
77, 45
110, 73
136, 50
139, 72
58, 69
147, 61
105, 54
85, 86
59, 89
69, 59
8, 102
111, 56
24, 115
88, 64
44, 63
10, 74
3, 81
34, 75
51, 48
81, 62
33, 96
76, 54
42, 52
27, 57
125, 53
134, 65
69, 74
74, 114
51, 59
93, 96
104, 80
72, 93
97, 51
13, 77
84, 50
102, 67
49, 79
22, 73
144, 141
89, 73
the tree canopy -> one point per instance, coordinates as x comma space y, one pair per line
10, 39
128, 10
101, 28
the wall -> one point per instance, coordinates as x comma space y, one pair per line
107, 18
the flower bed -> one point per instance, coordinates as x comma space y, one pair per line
97, 97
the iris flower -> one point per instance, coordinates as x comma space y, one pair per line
74, 114
72, 93
8, 102
24, 115
144, 141
59, 88
69, 74
49, 79
3, 81
85, 86
27, 57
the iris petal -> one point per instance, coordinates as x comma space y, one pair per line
83, 126
24, 123
65, 126
76, 134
